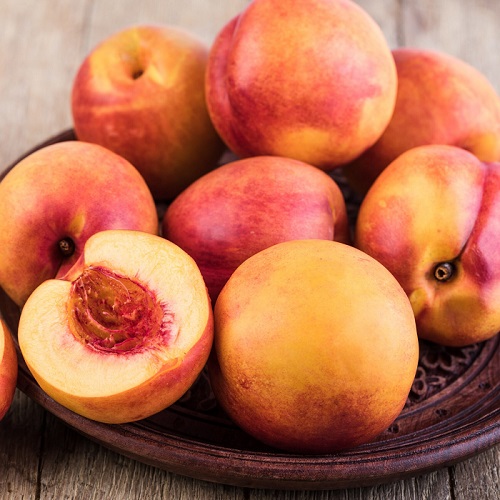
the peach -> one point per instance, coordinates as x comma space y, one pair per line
315, 347
8, 369
128, 336
314, 81
54, 199
432, 218
141, 93
247, 205
441, 100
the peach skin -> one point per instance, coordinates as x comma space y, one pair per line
432, 218
441, 100
8, 369
315, 347
248, 205
312, 80
141, 93
54, 199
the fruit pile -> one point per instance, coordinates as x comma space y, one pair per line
308, 326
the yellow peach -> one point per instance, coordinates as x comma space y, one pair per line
441, 100
247, 205
141, 93
8, 369
315, 347
54, 199
314, 80
432, 218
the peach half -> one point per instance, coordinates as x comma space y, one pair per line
8, 369
315, 347
127, 336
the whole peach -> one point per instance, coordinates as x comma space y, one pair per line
315, 347
54, 199
441, 100
247, 205
8, 369
141, 93
312, 80
432, 218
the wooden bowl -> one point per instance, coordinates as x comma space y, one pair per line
452, 413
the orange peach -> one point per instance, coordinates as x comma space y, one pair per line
315, 347
141, 93
54, 199
314, 81
8, 369
432, 218
247, 205
441, 100
128, 336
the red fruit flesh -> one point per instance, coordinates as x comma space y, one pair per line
114, 313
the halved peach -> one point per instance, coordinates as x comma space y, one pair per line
127, 336
8, 369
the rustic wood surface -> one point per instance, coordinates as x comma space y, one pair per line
41, 46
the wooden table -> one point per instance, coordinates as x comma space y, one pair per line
41, 46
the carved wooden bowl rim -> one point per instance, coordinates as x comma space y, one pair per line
452, 413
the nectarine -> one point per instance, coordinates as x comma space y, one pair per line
441, 100
432, 218
141, 93
315, 347
8, 369
312, 80
248, 205
128, 336
54, 199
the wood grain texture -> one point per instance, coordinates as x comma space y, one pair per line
467, 29
41, 46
